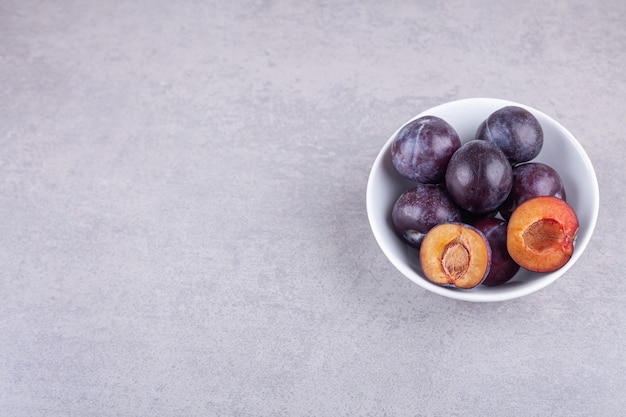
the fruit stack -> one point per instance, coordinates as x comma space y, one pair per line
481, 210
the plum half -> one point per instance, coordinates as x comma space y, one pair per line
455, 254
541, 234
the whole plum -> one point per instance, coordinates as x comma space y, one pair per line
532, 179
503, 267
422, 148
514, 130
479, 177
421, 208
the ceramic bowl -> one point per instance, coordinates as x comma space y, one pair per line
560, 150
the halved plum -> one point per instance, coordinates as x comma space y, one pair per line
541, 234
455, 254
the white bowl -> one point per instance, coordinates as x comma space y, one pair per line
560, 150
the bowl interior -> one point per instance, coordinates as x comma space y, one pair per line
560, 150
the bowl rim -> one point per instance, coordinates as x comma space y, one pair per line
494, 294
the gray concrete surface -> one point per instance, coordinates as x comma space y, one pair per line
182, 210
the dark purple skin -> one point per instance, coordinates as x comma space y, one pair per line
479, 177
422, 148
421, 208
471, 218
514, 130
532, 179
503, 267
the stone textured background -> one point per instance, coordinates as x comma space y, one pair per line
182, 209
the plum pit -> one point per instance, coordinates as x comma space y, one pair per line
542, 235
456, 258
